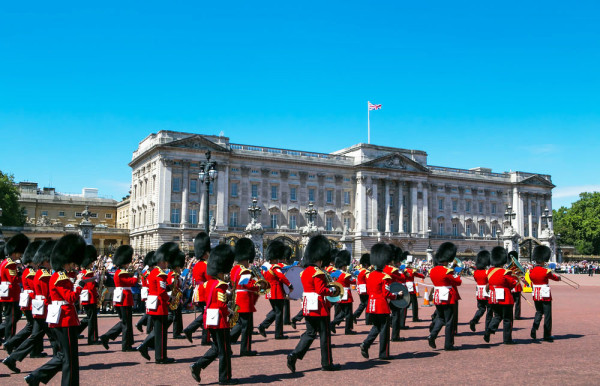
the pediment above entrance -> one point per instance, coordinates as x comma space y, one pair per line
395, 161
197, 142
537, 181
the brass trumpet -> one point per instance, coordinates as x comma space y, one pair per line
261, 282
339, 289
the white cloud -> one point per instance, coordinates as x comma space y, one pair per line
573, 191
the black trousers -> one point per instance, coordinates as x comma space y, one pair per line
66, 360
444, 317
124, 326
243, 328
157, 339
482, 306
91, 322
33, 342
198, 323
12, 314
517, 298
314, 325
345, 313
286, 312
299, 316
502, 312
543, 309
177, 321
221, 348
414, 303
145, 320
381, 327
364, 299
396, 320
275, 315
23, 334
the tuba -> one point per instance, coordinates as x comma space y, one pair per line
339, 288
233, 308
176, 294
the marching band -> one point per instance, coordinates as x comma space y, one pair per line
41, 280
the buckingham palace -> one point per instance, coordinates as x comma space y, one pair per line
356, 196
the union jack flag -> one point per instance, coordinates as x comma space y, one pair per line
373, 107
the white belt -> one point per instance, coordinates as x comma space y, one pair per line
40, 297
346, 288
60, 303
6, 283
540, 285
124, 288
442, 286
307, 293
481, 286
28, 291
241, 290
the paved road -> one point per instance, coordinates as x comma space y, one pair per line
571, 359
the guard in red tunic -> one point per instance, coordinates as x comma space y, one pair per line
41, 287
342, 261
361, 286
542, 298
276, 279
516, 292
216, 318
157, 304
410, 275
500, 282
246, 295
62, 314
378, 288
445, 295
89, 295
201, 251
480, 276
122, 300
396, 275
315, 306
148, 264
10, 284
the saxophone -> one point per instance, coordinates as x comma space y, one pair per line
176, 293
233, 308
102, 290
261, 282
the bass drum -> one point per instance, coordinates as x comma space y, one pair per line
404, 300
293, 275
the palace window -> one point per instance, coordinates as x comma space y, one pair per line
468, 230
454, 229
293, 194
441, 228
61, 214
441, 204
494, 230
347, 223
193, 186
107, 215
273, 192
45, 213
175, 216
274, 220
311, 195
329, 223
480, 207
346, 198
329, 196
233, 219
293, 221
254, 189
391, 200
481, 230
193, 216
234, 189
454, 205
493, 208
468, 206
176, 184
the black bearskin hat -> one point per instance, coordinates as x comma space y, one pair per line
446, 252
244, 250
123, 255
275, 250
483, 259
44, 251
512, 254
398, 254
68, 249
342, 259
541, 254
149, 259
381, 255
177, 260
499, 256
16, 244
30, 251
166, 252
287, 254
365, 259
220, 260
201, 244
91, 254
318, 248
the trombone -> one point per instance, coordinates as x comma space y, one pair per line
563, 278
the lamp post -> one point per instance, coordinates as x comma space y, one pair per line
509, 215
310, 213
254, 210
429, 238
208, 173
547, 218
558, 250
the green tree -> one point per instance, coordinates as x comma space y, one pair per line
12, 212
579, 225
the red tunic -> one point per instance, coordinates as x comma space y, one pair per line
216, 299
443, 279
539, 277
27, 280
394, 273
246, 295
378, 288
157, 286
41, 286
276, 279
61, 289
501, 282
315, 287
346, 280
410, 275
124, 279
480, 276
8, 274
200, 277
91, 287
361, 281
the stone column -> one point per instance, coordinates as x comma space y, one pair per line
374, 207
529, 215
414, 216
548, 201
184, 192
518, 209
222, 184
203, 203
360, 205
164, 183
387, 206
401, 208
425, 210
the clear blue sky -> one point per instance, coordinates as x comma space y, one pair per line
512, 85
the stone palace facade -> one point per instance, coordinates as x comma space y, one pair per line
362, 194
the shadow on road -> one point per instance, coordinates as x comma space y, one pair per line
477, 346
262, 378
567, 336
104, 366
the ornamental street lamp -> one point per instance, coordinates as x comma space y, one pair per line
254, 210
547, 218
208, 173
310, 213
558, 250
429, 238
509, 215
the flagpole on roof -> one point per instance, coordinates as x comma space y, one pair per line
368, 123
